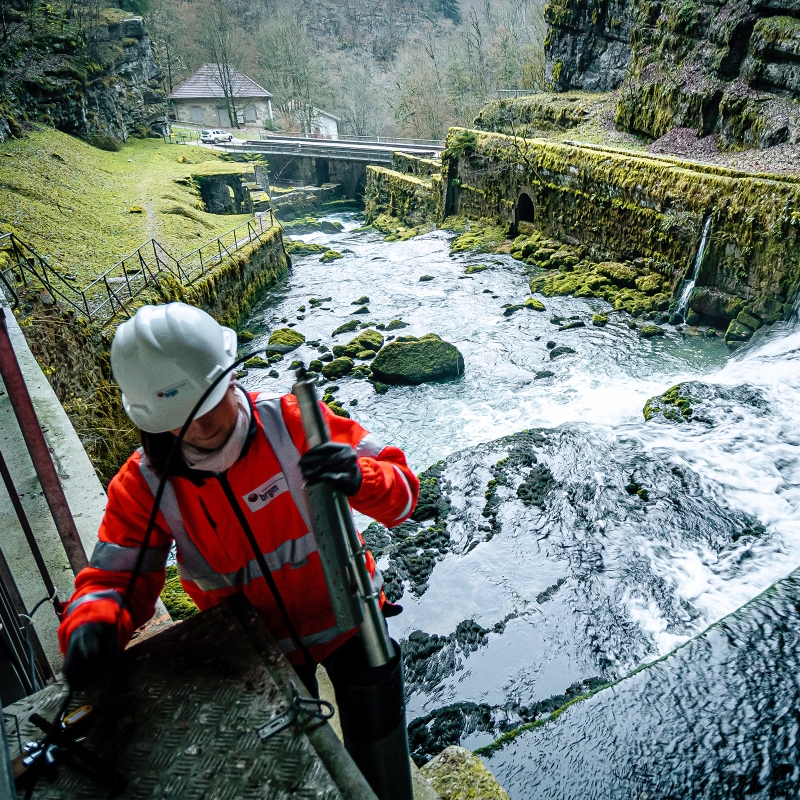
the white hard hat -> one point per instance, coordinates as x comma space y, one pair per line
164, 359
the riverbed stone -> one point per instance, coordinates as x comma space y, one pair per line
348, 327
362, 301
714, 303
473, 269
410, 360
543, 373
361, 310
256, 362
738, 332
599, 320
561, 350
396, 324
532, 304
425, 278
749, 320
648, 331
330, 255
338, 367
458, 774
284, 340
574, 324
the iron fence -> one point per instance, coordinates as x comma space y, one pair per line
113, 292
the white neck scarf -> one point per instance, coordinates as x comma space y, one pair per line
223, 457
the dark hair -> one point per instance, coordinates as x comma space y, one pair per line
157, 447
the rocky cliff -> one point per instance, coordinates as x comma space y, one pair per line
729, 69
99, 80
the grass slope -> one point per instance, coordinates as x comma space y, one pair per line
72, 202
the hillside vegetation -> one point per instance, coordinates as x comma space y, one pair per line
85, 208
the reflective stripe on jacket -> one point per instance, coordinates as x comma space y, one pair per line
214, 557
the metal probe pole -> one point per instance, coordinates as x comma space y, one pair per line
377, 644
37, 447
366, 671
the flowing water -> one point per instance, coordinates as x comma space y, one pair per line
682, 306
554, 568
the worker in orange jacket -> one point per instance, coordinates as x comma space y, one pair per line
243, 462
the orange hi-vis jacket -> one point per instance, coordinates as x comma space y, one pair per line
214, 558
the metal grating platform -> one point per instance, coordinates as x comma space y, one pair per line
180, 720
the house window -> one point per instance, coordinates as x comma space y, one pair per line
196, 114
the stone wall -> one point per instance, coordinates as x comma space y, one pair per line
411, 201
102, 81
225, 194
207, 112
728, 69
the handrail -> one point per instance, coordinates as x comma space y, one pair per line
112, 292
355, 139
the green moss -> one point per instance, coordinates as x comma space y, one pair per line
256, 362
458, 774
330, 255
648, 331
481, 236
600, 320
672, 404
301, 249
534, 305
286, 339
396, 324
473, 269
347, 327
178, 603
338, 367
409, 360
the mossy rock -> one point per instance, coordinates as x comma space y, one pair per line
362, 301
458, 774
578, 323
337, 409
543, 373
425, 278
512, 309
749, 320
362, 310
330, 255
482, 235
396, 324
673, 405
338, 367
414, 361
246, 336
600, 320
368, 340
649, 331
348, 327
301, 249
618, 274
284, 340
316, 365
178, 603
532, 304
649, 284
738, 332
473, 269
256, 362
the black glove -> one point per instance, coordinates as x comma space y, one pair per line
93, 651
336, 464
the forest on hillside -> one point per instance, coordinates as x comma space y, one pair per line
395, 67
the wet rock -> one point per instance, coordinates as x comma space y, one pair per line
362, 310
315, 366
473, 269
715, 304
415, 361
510, 309
285, 340
562, 350
362, 301
273, 373
458, 774
256, 362
693, 401
543, 373
337, 408
338, 367
648, 331
738, 332
550, 345
368, 340
327, 357
533, 304
246, 336
692, 317
425, 278
300, 249
348, 327
295, 365
330, 255
600, 320
570, 325
749, 320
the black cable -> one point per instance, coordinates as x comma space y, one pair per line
237, 511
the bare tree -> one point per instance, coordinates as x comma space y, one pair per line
222, 43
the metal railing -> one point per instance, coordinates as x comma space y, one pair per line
113, 292
384, 140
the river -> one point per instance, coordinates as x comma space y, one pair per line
669, 567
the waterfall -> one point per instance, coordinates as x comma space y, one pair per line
683, 302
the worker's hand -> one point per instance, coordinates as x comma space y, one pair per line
336, 464
92, 652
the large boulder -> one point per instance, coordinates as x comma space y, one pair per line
712, 303
458, 774
367, 341
409, 360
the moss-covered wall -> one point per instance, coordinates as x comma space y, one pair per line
629, 207
75, 355
411, 200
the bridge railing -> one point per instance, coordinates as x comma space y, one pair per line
382, 140
113, 292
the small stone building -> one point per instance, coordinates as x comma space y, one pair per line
200, 99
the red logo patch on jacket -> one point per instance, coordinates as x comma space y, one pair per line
263, 495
